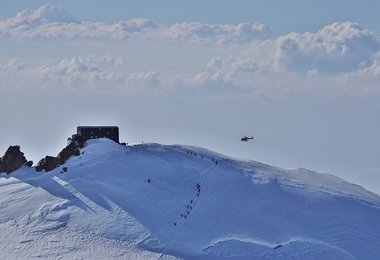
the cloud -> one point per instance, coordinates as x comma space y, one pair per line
336, 48
341, 58
13, 74
150, 80
52, 21
11, 67
212, 73
91, 72
55, 22
370, 68
190, 57
225, 33
81, 72
33, 18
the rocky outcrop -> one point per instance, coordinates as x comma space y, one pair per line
50, 163
29, 163
67, 152
12, 159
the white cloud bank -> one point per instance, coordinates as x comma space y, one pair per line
81, 71
51, 22
243, 58
339, 47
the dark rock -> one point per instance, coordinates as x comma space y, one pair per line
78, 140
29, 163
67, 152
64, 169
12, 159
48, 163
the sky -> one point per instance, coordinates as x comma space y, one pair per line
300, 76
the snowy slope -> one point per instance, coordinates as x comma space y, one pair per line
105, 208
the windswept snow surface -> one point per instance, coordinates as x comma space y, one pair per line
141, 202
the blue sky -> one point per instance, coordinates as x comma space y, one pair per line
301, 77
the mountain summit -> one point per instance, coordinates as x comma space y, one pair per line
152, 201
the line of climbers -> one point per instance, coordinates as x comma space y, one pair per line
202, 156
189, 207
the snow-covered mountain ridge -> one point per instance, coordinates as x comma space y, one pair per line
152, 201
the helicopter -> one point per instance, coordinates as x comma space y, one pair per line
246, 139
